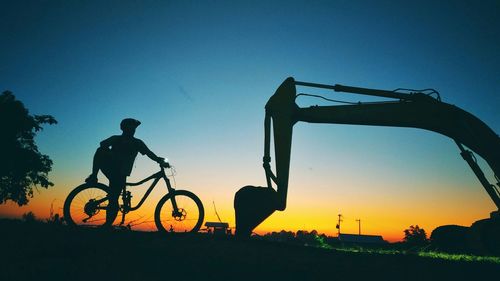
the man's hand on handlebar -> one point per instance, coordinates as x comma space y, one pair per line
162, 162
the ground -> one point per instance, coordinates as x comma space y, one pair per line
51, 252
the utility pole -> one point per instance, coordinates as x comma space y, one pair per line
359, 226
338, 224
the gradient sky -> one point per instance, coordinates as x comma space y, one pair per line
198, 74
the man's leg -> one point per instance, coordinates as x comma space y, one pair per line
116, 185
100, 157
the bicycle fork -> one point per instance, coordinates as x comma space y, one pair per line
176, 213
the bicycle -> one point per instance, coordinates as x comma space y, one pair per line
179, 211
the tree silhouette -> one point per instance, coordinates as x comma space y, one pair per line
22, 166
415, 236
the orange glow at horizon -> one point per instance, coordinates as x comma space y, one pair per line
386, 217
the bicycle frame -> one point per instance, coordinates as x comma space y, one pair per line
156, 176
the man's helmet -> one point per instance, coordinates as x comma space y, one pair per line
129, 123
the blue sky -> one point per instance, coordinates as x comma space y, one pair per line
198, 74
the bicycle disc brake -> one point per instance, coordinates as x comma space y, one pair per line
179, 215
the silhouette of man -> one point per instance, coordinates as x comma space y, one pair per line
115, 158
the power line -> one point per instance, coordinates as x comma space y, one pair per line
338, 224
216, 212
359, 226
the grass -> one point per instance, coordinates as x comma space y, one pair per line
321, 243
425, 254
459, 257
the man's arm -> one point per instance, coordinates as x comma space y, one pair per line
108, 142
143, 149
154, 157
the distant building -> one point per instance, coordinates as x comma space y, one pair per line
218, 227
361, 239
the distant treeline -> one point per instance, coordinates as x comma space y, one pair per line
302, 237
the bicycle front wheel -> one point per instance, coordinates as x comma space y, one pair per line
86, 205
186, 219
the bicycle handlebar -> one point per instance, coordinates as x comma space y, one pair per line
164, 164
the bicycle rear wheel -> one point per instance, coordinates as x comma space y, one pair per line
86, 205
186, 219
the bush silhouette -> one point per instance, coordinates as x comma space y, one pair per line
23, 166
415, 236
29, 217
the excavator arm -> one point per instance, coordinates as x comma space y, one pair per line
414, 110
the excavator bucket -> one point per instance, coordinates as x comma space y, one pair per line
252, 206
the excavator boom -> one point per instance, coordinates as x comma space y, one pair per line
414, 110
